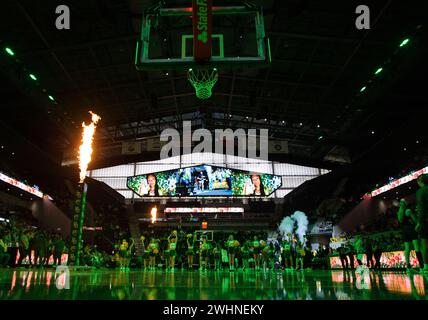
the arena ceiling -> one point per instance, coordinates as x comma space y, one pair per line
310, 96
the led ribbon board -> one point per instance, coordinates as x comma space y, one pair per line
21, 185
205, 210
398, 182
203, 181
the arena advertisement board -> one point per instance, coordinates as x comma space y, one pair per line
203, 181
392, 259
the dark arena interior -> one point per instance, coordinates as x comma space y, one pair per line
213, 150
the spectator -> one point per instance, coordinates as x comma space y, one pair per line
24, 247
58, 249
4, 255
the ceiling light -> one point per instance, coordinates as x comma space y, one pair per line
51, 98
9, 51
404, 42
363, 88
32, 76
379, 70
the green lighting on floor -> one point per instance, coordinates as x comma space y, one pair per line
51, 98
9, 51
363, 89
32, 76
378, 70
404, 42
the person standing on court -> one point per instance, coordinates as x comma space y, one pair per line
422, 217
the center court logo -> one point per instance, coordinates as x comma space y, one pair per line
248, 143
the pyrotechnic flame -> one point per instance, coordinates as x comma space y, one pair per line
154, 214
85, 149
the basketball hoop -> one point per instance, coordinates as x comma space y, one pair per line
203, 80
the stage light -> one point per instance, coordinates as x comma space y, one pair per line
404, 42
372, 132
9, 51
379, 70
33, 77
318, 126
301, 124
363, 89
51, 98
320, 137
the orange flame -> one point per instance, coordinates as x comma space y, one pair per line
154, 214
85, 149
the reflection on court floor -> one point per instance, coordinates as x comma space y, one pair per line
137, 285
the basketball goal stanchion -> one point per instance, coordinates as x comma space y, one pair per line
203, 80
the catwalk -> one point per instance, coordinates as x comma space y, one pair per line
212, 285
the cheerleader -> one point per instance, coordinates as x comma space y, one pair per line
231, 246
286, 255
256, 250
154, 251
191, 239
204, 256
245, 254
125, 254
146, 253
217, 256
265, 254
172, 246
300, 256
122, 250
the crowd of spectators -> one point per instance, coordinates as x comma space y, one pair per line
24, 244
